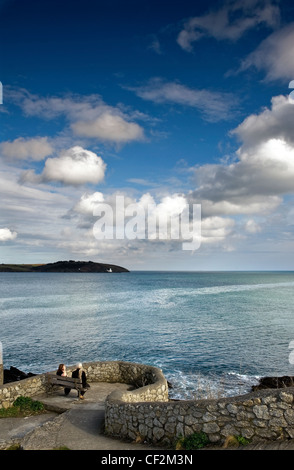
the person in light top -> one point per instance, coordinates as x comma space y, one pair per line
81, 374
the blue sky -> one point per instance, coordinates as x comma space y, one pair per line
162, 102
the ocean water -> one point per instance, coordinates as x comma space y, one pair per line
212, 334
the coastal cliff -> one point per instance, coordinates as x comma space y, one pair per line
64, 267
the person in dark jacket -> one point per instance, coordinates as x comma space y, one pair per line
62, 371
81, 374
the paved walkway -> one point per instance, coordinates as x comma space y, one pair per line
78, 425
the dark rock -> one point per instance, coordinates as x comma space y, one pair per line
14, 375
274, 382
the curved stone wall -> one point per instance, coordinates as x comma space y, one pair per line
258, 416
149, 383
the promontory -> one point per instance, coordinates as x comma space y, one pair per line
65, 267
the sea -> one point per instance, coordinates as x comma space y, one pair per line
212, 333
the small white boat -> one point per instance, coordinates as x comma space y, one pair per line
109, 270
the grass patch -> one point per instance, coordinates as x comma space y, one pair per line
197, 440
242, 441
62, 448
14, 447
22, 406
9, 413
235, 441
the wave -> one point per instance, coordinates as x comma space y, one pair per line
237, 288
204, 386
243, 287
174, 296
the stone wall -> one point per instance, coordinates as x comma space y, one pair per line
258, 416
1, 365
28, 387
147, 413
149, 383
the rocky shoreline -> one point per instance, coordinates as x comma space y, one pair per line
274, 382
14, 375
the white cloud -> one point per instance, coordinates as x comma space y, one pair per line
122, 212
6, 234
156, 46
230, 22
216, 229
75, 166
252, 227
213, 105
234, 205
52, 107
27, 149
253, 184
109, 127
87, 203
152, 223
275, 55
88, 116
271, 123
28, 206
263, 172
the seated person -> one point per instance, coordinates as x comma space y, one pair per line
81, 374
62, 372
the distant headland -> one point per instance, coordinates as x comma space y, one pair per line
64, 267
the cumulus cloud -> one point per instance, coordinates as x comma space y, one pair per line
121, 211
109, 127
263, 171
275, 55
234, 195
252, 227
158, 221
88, 116
6, 234
266, 170
213, 105
117, 217
216, 229
35, 149
75, 166
275, 122
229, 22
88, 202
